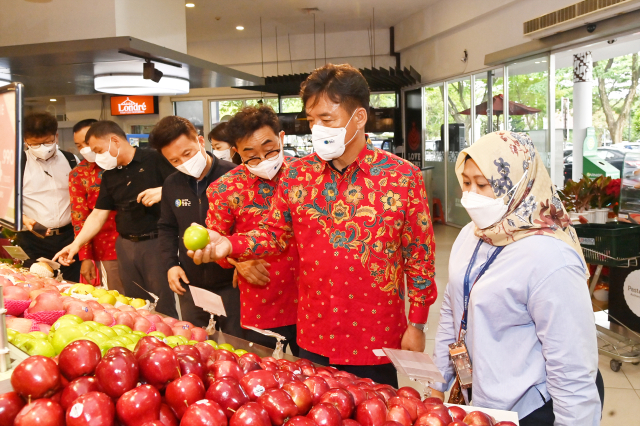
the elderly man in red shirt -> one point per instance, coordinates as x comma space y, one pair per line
361, 221
84, 187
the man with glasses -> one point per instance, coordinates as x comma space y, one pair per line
45, 169
237, 203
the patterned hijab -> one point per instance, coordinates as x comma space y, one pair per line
504, 157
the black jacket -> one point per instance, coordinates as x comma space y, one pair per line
180, 207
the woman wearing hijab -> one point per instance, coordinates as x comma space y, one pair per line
528, 323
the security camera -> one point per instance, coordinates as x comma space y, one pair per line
591, 28
149, 72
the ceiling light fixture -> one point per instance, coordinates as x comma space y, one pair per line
239, 28
149, 72
190, 4
52, 100
127, 78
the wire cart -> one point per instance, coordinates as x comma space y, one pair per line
614, 245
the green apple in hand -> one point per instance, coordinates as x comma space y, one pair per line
195, 237
38, 347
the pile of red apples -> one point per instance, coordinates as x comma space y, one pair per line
156, 385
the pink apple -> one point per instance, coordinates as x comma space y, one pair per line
15, 293
166, 329
80, 309
123, 318
199, 334
168, 320
22, 325
144, 312
154, 318
181, 331
46, 302
102, 317
126, 308
184, 324
142, 324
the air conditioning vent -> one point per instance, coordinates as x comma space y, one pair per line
576, 15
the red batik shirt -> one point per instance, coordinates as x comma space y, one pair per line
237, 203
84, 187
358, 234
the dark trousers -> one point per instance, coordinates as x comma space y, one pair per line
200, 318
544, 416
382, 373
47, 247
289, 332
140, 262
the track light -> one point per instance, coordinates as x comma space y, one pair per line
149, 72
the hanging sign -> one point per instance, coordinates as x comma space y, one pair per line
134, 105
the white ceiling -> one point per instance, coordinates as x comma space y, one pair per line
338, 15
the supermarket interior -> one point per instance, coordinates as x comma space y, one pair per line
288, 212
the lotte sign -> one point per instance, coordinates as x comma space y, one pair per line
134, 105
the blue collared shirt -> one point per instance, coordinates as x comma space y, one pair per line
531, 331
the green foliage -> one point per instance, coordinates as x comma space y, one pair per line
382, 100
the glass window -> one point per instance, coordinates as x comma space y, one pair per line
272, 102
433, 144
192, 111
293, 104
382, 100
487, 120
224, 110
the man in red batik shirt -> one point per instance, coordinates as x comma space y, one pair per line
361, 221
84, 187
238, 201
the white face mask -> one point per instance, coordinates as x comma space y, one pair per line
485, 211
44, 152
194, 166
106, 160
223, 154
268, 168
88, 155
328, 142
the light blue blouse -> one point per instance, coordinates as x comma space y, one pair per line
531, 330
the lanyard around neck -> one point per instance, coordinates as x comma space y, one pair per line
468, 286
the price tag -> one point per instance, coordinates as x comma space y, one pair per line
208, 301
16, 252
416, 365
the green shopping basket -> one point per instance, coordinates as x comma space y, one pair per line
610, 244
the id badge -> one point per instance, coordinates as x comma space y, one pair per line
462, 363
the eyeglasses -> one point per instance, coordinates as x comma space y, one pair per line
47, 144
254, 161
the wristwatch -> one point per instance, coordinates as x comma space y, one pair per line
418, 326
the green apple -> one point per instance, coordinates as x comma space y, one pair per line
240, 352
21, 338
107, 298
124, 339
94, 325
11, 334
140, 334
195, 237
131, 346
157, 334
133, 337
173, 341
212, 343
192, 342
74, 318
106, 345
121, 329
38, 334
99, 292
85, 328
64, 335
38, 347
115, 342
97, 337
227, 347
107, 330
64, 321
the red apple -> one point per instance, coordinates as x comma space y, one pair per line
167, 416
183, 392
415, 407
408, 392
334, 383
357, 394
77, 388
457, 414
279, 406
478, 418
441, 411
228, 393
392, 423
199, 334
204, 413
79, 358
91, 409
36, 377
139, 405
256, 382
154, 423
159, 366
301, 421
10, 406
251, 356
269, 366
225, 355
458, 424
372, 412
227, 369
300, 394
248, 364
325, 415
346, 374
318, 386
399, 414
505, 423
430, 419
250, 414
284, 376
146, 344
42, 412
342, 400
345, 381
350, 422
206, 350
188, 350
324, 371
386, 393
371, 394
117, 372
432, 401
190, 365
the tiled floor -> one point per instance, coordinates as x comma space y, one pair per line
622, 389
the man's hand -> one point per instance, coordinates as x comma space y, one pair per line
254, 271
65, 256
174, 275
88, 270
218, 248
413, 339
437, 394
150, 196
27, 223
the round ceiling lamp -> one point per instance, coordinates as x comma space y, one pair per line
135, 84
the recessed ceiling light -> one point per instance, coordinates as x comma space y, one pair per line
190, 5
537, 62
543, 62
239, 28
52, 100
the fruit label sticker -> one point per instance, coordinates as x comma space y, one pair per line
258, 390
632, 292
76, 410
